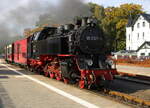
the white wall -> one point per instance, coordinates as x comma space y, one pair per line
136, 41
128, 41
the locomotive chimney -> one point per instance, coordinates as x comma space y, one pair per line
84, 21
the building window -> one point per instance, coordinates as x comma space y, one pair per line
148, 54
142, 54
143, 35
129, 37
143, 24
138, 25
132, 28
137, 36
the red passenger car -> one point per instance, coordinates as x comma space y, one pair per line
9, 53
20, 51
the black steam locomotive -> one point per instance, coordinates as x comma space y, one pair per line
72, 52
85, 39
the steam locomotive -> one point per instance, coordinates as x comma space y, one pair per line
74, 53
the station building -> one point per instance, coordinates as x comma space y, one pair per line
138, 35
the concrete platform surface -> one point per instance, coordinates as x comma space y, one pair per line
145, 71
29, 90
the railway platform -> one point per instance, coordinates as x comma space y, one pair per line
37, 91
134, 70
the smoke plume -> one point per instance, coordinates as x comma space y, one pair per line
64, 12
38, 12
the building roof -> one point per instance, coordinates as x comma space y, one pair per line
145, 45
125, 52
131, 21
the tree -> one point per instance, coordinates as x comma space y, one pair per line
97, 11
113, 21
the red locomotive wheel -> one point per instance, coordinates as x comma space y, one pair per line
58, 78
46, 74
52, 75
81, 84
66, 81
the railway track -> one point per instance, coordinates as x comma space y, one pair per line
137, 102
123, 97
133, 91
140, 77
134, 79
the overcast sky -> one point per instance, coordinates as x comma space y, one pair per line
7, 5
15, 14
144, 3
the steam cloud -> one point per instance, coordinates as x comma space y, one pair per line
39, 12
64, 13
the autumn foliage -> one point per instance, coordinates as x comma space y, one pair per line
113, 20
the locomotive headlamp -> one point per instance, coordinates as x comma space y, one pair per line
110, 62
66, 27
89, 62
89, 20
